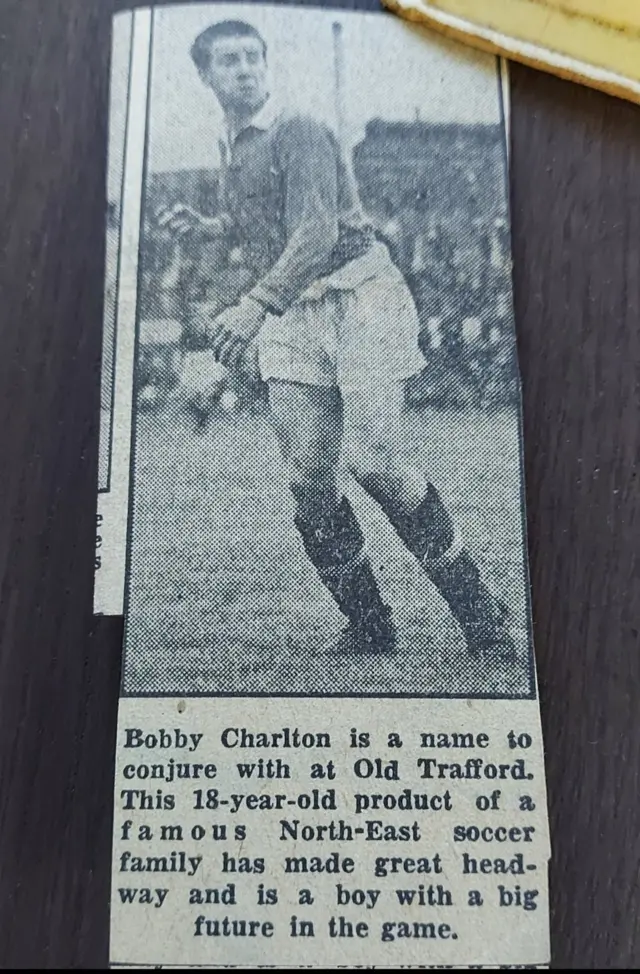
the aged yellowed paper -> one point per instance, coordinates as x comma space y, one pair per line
596, 42
329, 750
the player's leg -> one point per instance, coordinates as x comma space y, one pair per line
308, 423
421, 519
379, 342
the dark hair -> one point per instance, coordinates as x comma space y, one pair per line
201, 47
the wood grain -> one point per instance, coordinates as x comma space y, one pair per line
576, 224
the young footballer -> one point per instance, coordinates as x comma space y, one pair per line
335, 331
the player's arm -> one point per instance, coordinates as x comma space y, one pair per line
307, 160
182, 220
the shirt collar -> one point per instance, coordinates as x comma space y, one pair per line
264, 118
267, 115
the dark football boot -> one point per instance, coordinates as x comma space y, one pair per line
334, 544
374, 635
428, 533
483, 617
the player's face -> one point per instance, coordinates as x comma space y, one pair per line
237, 73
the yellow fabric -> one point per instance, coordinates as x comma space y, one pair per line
593, 41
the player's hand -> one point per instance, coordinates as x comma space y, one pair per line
231, 333
200, 316
250, 365
182, 220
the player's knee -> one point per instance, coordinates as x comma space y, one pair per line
369, 458
310, 466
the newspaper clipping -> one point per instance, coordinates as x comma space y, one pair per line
311, 507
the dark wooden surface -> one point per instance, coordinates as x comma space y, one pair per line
576, 222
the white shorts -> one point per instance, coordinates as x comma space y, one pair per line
356, 334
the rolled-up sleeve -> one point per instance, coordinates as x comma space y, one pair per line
307, 159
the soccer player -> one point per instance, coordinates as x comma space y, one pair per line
335, 330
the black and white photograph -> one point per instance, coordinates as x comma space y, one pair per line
326, 483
